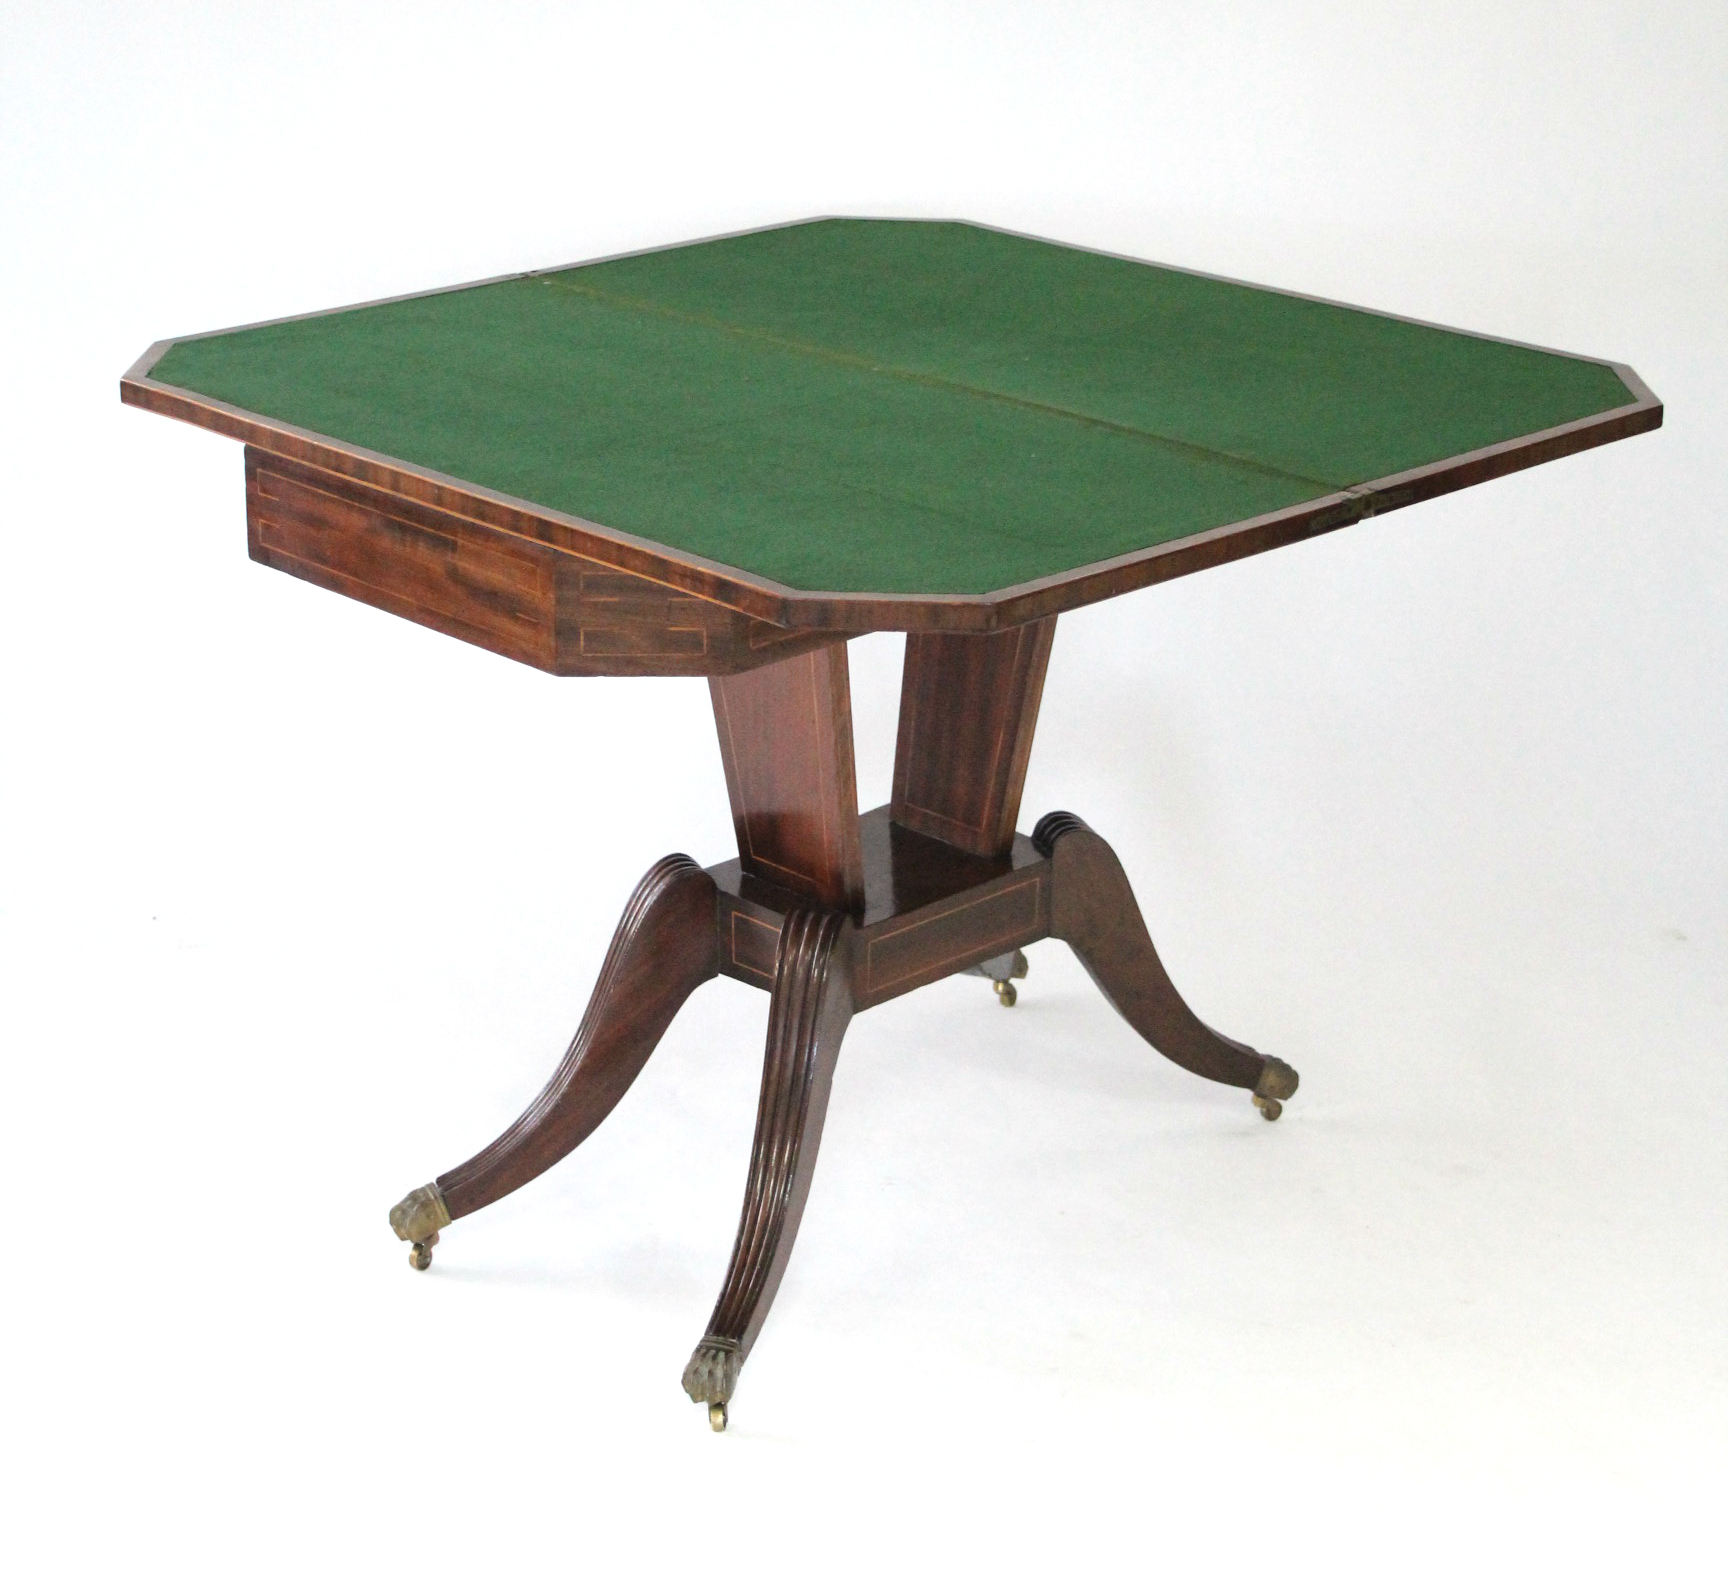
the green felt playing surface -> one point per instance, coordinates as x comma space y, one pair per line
900, 406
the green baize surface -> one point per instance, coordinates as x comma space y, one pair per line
911, 407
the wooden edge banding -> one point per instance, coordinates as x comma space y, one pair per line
849, 612
682, 570
147, 362
1229, 542
488, 585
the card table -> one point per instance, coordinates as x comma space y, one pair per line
725, 458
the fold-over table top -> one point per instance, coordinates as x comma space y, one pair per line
958, 417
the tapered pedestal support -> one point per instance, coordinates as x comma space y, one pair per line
834, 913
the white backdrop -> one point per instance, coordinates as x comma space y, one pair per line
301, 902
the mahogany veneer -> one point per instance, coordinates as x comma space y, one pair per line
830, 912
507, 592
786, 744
833, 914
967, 713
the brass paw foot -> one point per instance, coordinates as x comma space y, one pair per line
1005, 992
416, 1218
1277, 1084
712, 1375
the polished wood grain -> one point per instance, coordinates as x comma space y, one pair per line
663, 950
807, 1020
1093, 910
786, 744
968, 709
929, 910
515, 595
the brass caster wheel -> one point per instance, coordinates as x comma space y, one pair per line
420, 1253
1270, 1107
1002, 971
717, 1416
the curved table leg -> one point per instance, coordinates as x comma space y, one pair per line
1092, 909
807, 1019
664, 948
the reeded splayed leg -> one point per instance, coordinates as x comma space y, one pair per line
664, 948
1093, 910
807, 1019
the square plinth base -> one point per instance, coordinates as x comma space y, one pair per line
930, 910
